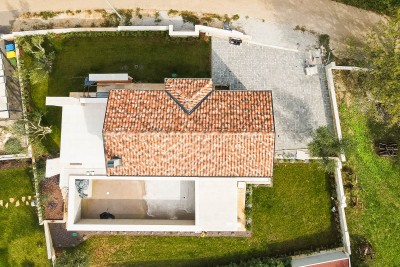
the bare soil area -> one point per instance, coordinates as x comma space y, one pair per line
51, 196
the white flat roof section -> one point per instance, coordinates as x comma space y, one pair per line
53, 167
81, 137
216, 205
108, 77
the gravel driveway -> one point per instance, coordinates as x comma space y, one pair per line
301, 103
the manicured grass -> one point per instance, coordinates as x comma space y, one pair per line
379, 179
22, 241
147, 57
291, 216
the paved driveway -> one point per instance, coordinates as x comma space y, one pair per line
301, 103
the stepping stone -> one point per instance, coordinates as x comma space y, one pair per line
6, 205
27, 203
12, 200
29, 197
23, 199
1, 203
17, 203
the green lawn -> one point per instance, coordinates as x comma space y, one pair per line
379, 178
291, 216
22, 241
147, 57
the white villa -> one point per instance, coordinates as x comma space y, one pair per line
161, 157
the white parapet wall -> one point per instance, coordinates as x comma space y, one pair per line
210, 31
334, 105
341, 197
51, 255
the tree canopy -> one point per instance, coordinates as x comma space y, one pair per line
381, 55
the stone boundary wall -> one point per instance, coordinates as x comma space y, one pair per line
210, 31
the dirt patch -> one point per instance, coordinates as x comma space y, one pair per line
8, 164
52, 199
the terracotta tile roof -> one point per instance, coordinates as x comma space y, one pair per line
231, 133
221, 111
188, 93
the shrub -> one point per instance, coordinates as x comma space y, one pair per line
12, 146
137, 13
326, 144
190, 17
76, 258
262, 262
235, 17
157, 17
173, 12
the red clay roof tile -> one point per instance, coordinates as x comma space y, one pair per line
231, 133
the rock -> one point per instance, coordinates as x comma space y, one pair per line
6, 205
12, 200
17, 203
1, 203
27, 203
23, 199
29, 197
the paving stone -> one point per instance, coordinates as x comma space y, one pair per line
29, 197
301, 103
23, 199
27, 203
17, 203
1, 203
6, 205
12, 200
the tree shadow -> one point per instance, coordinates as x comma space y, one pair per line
278, 250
